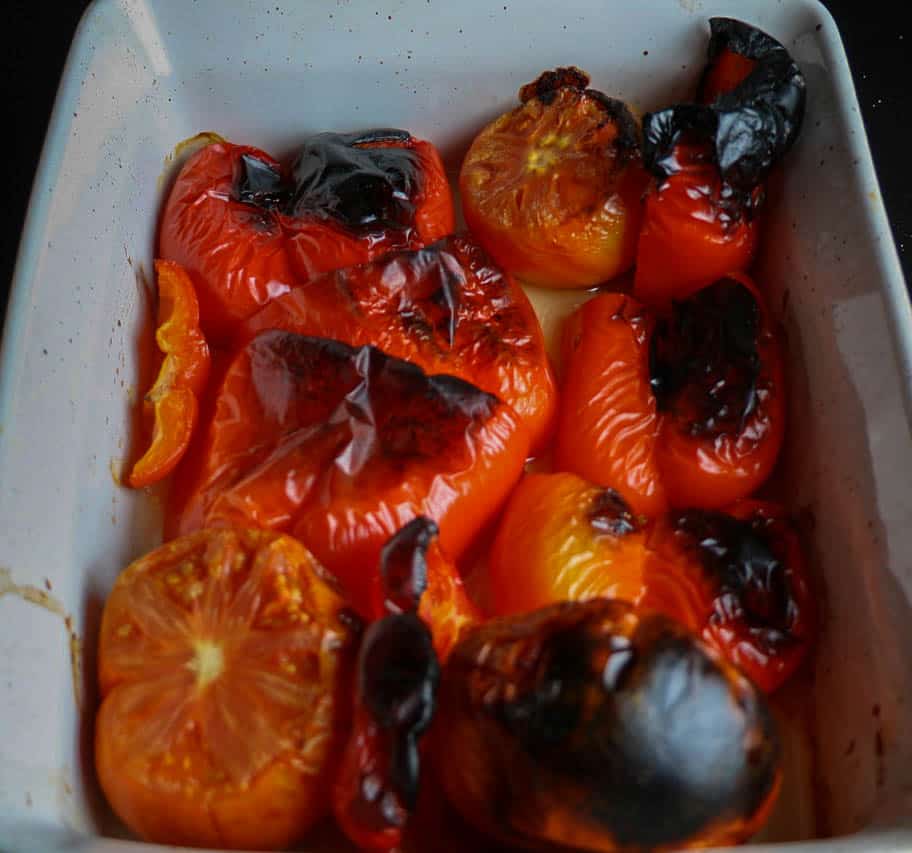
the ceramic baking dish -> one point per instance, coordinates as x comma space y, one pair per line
143, 74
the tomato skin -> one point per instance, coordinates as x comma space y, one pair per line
171, 402
241, 255
616, 432
552, 188
688, 240
220, 703
560, 539
448, 308
342, 447
758, 610
608, 424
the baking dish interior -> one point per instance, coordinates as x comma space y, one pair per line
145, 75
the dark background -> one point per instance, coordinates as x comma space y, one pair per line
37, 37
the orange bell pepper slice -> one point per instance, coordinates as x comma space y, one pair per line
172, 400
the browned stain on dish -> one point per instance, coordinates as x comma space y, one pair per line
116, 467
43, 599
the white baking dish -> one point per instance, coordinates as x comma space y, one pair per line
143, 74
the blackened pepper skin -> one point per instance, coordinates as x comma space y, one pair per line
591, 726
748, 128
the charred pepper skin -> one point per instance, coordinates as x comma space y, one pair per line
579, 724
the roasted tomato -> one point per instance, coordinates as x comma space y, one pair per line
739, 580
710, 161
248, 228
446, 308
560, 539
341, 447
220, 661
171, 402
685, 409
594, 727
552, 189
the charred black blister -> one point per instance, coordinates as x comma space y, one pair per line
548, 84
588, 720
704, 363
338, 176
611, 514
403, 565
752, 582
365, 188
398, 676
751, 127
260, 184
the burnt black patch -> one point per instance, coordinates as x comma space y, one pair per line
366, 182
630, 731
403, 565
680, 742
259, 183
398, 676
609, 513
751, 579
704, 363
750, 128
546, 86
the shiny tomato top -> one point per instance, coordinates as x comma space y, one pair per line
552, 188
448, 308
342, 447
249, 228
220, 659
562, 538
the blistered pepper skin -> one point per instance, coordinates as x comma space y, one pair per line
448, 308
593, 727
683, 408
710, 160
739, 580
249, 228
342, 447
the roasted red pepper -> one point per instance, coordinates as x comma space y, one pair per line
739, 580
377, 787
377, 784
736, 578
416, 576
171, 402
568, 727
249, 228
447, 308
685, 409
710, 160
342, 447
